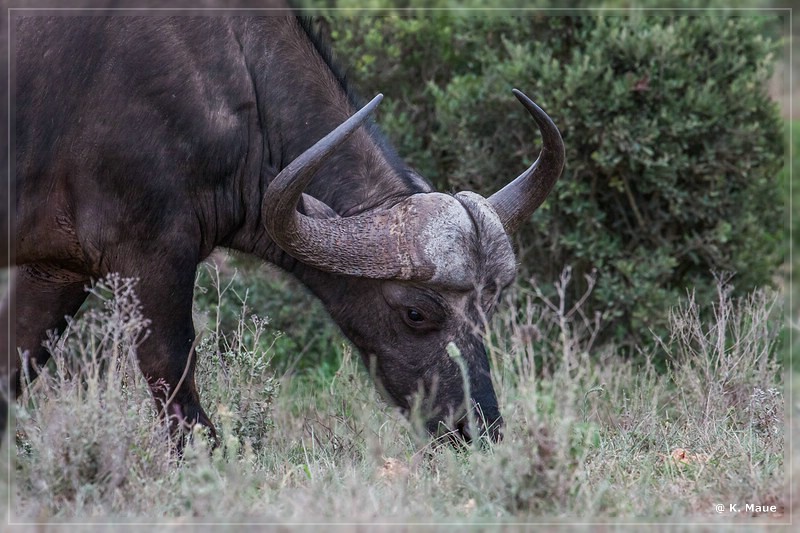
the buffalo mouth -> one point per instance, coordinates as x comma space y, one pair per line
487, 424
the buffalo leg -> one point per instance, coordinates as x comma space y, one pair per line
167, 356
39, 299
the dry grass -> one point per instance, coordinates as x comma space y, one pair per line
589, 437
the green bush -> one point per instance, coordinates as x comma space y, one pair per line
673, 146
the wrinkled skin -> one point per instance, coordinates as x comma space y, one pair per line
141, 155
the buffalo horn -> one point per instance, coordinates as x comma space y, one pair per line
360, 245
515, 202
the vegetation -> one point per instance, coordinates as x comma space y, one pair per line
637, 383
673, 147
583, 439
791, 267
309, 346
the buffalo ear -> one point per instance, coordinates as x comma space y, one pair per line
318, 209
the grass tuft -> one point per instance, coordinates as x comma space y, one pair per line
590, 435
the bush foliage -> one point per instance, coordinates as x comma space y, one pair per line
673, 146
232, 290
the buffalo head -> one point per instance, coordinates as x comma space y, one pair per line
418, 275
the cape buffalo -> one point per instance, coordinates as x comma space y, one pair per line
141, 143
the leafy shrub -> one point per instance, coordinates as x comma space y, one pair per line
673, 146
86, 428
230, 289
234, 367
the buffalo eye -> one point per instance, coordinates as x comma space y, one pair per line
414, 315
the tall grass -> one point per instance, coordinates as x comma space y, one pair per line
589, 435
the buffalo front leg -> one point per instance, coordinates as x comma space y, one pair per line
39, 299
167, 356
